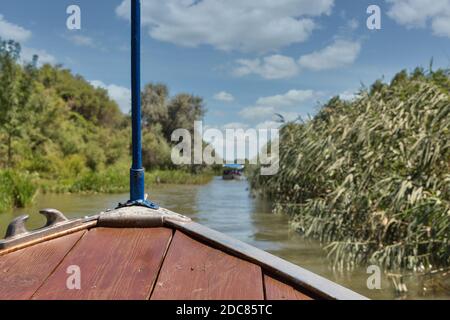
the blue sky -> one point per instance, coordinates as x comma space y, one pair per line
249, 59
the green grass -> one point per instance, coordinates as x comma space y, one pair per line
178, 177
117, 181
16, 189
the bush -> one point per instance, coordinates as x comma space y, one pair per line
6, 198
16, 190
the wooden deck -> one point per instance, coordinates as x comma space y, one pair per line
137, 253
135, 263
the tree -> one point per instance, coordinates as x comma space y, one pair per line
173, 113
16, 87
156, 152
92, 103
184, 109
155, 99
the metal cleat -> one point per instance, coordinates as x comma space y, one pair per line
18, 235
53, 217
17, 227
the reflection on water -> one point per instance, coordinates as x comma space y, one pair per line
225, 206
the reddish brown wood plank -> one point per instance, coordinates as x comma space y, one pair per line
276, 290
194, 271
23, 272
114, 264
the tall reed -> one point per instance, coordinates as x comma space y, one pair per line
371, 178
16, 189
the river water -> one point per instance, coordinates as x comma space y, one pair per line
226, 206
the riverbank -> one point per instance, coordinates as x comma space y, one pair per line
73, 138
18, 189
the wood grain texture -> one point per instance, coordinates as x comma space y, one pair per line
194, 271
291, 273
276, 290
23, 272
115, 264
26, 242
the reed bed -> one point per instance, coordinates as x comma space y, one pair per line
370, 178
16, 189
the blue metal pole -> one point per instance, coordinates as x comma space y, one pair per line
137, 181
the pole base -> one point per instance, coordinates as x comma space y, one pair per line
139, 203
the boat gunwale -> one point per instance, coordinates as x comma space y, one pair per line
294, 275
302, 279
44, 235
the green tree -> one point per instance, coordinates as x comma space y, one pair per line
16, 87
180, 111
155, 99
81, 97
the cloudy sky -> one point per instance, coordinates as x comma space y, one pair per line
249, 59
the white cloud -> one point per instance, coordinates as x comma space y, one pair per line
251, 25
348, 96
271, 67
257, 112
44, 57
224, 96
353, 24
83, 41
291, 98
441, 26
269, 107
10, 31
261, 113
119, 94
339, 54
290, 116
267, 125
422, 14
235, 125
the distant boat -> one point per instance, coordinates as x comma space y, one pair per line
233, 172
